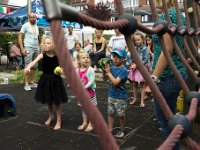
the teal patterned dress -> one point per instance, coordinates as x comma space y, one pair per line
168, 85
167, 73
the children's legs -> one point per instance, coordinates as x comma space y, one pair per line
110, 122
85, 122
122, 122
90, 126
121, 113
143, 93
121, 132
87, 127
135, 85
59, 120
50, 118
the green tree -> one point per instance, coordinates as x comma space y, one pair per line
7, 37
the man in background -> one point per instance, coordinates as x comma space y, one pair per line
71, 40
29, 45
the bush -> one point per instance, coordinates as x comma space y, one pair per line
7, 37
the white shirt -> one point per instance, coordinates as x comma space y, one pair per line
31, 33
88, 48
117, 40
71, 40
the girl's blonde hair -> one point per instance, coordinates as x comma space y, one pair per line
79, 57
159, 4
42, 43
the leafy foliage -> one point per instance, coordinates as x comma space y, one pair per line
101, 11
7, 37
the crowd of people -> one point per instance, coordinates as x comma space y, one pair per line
121, 67
85, 59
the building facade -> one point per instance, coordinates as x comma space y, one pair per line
139, 8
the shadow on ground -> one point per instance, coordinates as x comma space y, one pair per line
26, 131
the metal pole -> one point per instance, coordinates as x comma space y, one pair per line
29, 4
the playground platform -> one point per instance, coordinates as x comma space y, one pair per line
27, 131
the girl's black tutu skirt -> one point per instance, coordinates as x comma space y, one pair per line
51, 90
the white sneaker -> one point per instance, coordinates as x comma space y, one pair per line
27, 88
33, 85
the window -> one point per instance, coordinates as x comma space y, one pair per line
130, 3
135, 2
125, 3
112, 19
144, 18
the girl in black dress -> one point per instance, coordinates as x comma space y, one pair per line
50, 88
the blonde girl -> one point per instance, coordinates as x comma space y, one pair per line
87, 76
50, 89
134, 73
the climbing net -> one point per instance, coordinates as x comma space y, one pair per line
127, 24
